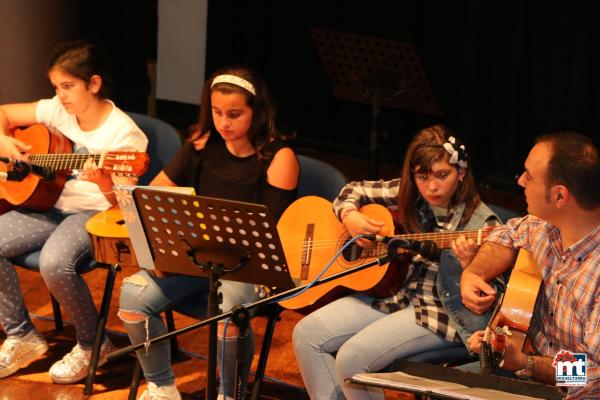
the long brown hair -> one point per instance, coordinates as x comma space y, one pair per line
263, 128
425, 149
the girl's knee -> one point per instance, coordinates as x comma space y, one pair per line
305, 333
131, 316
52, 271
132, 290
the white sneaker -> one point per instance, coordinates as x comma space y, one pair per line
154, 392
18, 352
74, 366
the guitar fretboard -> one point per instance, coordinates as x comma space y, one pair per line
444, 239
58, 162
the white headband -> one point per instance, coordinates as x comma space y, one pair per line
235, 80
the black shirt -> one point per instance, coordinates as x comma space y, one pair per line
215, 172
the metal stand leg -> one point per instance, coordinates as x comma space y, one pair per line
273, 313
58, 321
135, 380
100, 327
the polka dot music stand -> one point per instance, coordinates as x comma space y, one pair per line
376, 71
214, 238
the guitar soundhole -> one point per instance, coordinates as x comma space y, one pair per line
352, 252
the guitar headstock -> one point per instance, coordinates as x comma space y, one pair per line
125, 163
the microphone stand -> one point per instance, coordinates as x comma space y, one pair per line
234, 313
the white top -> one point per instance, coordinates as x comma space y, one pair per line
117, 132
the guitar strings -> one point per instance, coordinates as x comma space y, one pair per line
62, 161
444, 238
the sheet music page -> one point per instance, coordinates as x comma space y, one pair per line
173, 189
402, 380
475, 393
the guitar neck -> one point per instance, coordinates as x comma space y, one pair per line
59, 162
443, 240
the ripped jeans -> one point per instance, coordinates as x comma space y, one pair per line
148, 296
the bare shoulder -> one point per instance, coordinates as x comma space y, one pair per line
284, 169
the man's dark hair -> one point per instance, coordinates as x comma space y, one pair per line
575, 164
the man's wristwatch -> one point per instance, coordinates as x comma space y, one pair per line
527, 371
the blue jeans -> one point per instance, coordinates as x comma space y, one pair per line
148, 296
365, 339
66, 246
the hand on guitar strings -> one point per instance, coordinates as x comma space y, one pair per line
357, 223
476, 294
13, 148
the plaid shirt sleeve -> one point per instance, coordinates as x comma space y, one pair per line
516, 233
360, 193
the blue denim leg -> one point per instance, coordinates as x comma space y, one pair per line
391, 337
366, 340
235, 293
148, 296
319, 335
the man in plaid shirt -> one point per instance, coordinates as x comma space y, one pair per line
562, 231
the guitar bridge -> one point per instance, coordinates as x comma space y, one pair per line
307, 247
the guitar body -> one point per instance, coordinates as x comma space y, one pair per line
311, 235
110, 238
518, 304
34, 192
519, 299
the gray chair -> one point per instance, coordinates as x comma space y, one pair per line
318, 178
163, 142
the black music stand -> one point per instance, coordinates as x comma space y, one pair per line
379, 72
200, 236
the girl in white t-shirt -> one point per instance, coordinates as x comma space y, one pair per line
80, 111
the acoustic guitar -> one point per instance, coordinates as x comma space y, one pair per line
311, 235
515, 310
110, 238
53, 152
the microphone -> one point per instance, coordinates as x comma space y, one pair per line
45, 173
11, 176
426, 248
22, 168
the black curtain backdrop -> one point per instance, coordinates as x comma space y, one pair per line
502, 71
127, 31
